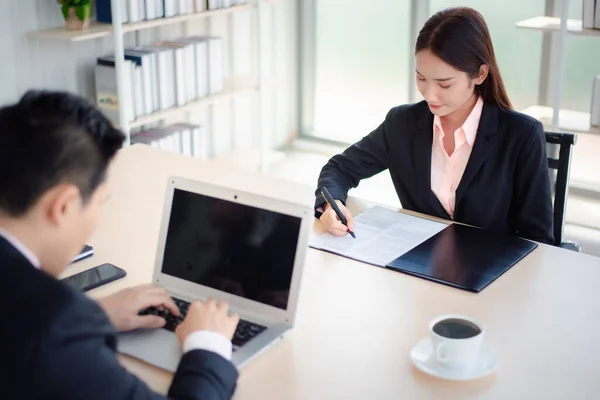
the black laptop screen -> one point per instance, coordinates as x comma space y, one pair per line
242, 250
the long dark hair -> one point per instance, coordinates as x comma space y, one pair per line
460, 37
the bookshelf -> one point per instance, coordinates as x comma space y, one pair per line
568, 121
553, 117
100, 30
552, 24
233, 86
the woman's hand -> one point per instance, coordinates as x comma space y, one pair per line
332, 223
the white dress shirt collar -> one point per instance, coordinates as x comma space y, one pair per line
17, 244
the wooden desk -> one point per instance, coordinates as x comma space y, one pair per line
357, 323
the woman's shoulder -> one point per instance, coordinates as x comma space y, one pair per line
518, 121
411, 111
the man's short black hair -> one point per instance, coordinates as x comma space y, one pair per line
49, 138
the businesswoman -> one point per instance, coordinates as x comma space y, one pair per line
463, 153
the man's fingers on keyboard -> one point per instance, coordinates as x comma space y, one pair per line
158, 299
223, 306
211, 303
196, 305
150, 321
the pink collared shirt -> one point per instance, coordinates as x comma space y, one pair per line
447, 170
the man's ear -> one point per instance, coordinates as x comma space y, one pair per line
484, 70
61, 202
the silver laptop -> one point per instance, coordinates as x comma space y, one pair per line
244, 248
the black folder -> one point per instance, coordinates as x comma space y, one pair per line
464, 257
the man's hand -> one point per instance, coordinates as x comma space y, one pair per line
332, 223
122, 308
208, 316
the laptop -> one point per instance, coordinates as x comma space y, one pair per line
221, 243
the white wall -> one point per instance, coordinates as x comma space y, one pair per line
31, 63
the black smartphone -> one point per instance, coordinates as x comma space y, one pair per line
97, 276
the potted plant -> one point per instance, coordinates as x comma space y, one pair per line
77, 13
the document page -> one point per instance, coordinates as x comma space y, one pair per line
382, 235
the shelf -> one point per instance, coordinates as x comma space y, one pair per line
61, 34
99, 30
569, 121
232, 86
552, 24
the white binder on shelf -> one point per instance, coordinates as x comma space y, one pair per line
186, 141
200, 64
151, 74
142, 8
171, 8
595, 109
215, 62
166, 76
151, 9
147, 64
199, 5
185, 59
107, 94
137, 84
160, 8
588, 13
193, 141
215, 65
214, 4
179, 69
186, 6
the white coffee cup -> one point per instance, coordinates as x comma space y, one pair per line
456, 340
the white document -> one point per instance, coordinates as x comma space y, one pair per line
382, 235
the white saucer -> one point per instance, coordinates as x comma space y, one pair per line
486, 363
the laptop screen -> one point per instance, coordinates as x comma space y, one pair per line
239, 249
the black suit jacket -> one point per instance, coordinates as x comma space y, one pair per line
505, 186
58, 344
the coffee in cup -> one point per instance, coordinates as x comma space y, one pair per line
456, 340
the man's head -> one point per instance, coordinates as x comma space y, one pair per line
55, 149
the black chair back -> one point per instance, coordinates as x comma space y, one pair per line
559, 147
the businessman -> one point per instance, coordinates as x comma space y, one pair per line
55, 149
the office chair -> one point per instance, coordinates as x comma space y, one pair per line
558, 147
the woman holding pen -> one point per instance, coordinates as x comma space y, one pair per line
461, 154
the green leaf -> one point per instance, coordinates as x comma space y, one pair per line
65, 11
83, 12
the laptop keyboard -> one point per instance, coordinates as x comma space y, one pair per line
244, 332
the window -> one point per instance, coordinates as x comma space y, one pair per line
361, 66
582, 65
361, 55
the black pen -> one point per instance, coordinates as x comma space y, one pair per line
330, 200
